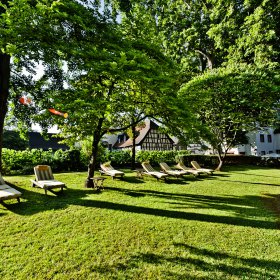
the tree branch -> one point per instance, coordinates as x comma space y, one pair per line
209, 60
111, 130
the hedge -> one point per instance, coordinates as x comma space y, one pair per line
213, 161
118, 157
155, 157
23, 162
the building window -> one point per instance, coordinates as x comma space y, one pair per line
262, 153
262, 138
269, 138
277, 151
270, 152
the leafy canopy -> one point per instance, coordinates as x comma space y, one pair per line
228, 101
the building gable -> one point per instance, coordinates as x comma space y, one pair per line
156, 140
150, 138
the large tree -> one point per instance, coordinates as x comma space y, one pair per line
99, 63
54, 34
231, 102
18, 20
216, 34
204, 35
103, 88
36, 32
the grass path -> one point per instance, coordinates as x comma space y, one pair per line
220, 227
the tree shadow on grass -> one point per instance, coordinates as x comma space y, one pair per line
272, 202
256, 175
132, 180
197, 264
39, 202
176, 181
253, 183
253, 267
238, 221
212, 262
34, 201
248, 210
245, 206
2, 214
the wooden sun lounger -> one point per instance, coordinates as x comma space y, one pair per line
7, 192
189, 170
151, 172
44, 179
168, 170
107, 169
197, 167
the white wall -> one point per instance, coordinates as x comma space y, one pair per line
111, 139
265, 147
260, 145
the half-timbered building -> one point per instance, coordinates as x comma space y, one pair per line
149, 138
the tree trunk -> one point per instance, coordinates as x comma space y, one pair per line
218, 168
133, 128
4, 93
221, 160
94, 152
202, 63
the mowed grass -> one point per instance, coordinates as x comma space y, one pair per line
224, 226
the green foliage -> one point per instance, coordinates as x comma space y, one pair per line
227, 102
45, 33
111, 85
23, 162
204, 35
18, 161
118, 157
242, 36
230, 160
155, 157
86, 146
271, 162
86, 150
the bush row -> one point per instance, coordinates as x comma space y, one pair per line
213, 161
23, 162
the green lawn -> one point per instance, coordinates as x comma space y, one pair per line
217, 227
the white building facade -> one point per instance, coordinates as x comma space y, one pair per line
260, 143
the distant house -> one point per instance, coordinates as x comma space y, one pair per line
112, 141
12, 140
37, 141
149, 138
261, 143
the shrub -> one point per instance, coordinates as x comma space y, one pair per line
213, 161
270, 162
203, 160
118, 157
155, 157
23, 162
14, 161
